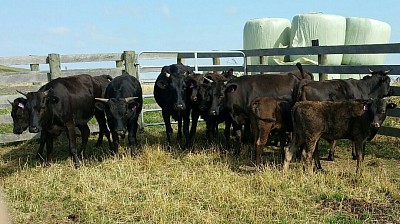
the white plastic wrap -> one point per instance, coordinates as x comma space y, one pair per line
365, 31
328, 29
266, 33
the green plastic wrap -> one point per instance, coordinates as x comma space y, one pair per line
266, 33
328, 29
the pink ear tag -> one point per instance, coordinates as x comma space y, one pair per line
133, 108
365, 107
21, 105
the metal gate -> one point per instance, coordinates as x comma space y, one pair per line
180, 57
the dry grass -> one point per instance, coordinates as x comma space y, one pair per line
160, 186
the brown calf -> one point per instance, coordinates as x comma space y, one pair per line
269, 114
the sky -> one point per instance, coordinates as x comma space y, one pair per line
41, 27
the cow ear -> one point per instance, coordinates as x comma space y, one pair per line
133, 105
391, 106
99, 106
231, 88
162, 84
53, 99
191, 83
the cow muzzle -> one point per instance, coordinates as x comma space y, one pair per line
34, 129
213, 112
375, 125
121, 133
179, 107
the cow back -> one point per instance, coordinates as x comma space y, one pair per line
72, 98
375, 86
242, 90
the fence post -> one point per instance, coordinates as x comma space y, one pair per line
180, 60
34, 67
119, 64
129, 59
55, 66
322, 60
216, 61
262, 62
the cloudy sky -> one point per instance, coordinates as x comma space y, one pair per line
81, 27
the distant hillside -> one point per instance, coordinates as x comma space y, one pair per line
11, 69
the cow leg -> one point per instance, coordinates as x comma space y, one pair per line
308, 155
103, 130
115, 139
49, 146
246, 135
354, 151
209, 128
132, 129
186, 123
168, 128
72, 143
317, 161
227, 133
85, 132
261, 132
360, 155
289, 151
282, 143
179, 134
238, 134
39, 153
331, 151
195, 119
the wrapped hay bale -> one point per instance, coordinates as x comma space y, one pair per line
266, 33
365, 31
328, 29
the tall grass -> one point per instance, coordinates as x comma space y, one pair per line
161, 186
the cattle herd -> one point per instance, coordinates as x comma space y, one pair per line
290, 106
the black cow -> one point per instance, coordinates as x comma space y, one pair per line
375, 86
170, 94
242, 90
63, 104
332, 120
104, 80
216, 111
122, 103
20, 113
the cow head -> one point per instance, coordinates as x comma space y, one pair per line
377, 110
20, 115
36, 106
193, 83
175, 84
380, 84
204, 97
118, 111
217, 93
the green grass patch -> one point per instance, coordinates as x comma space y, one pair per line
11, 69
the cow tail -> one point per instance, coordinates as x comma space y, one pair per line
298, 92
300, 67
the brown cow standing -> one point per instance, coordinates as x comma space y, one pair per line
333, 120
269, 114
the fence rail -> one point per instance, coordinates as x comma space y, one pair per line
33, 78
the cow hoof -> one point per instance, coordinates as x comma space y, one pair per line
330, 158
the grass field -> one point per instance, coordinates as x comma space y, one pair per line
160, 186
